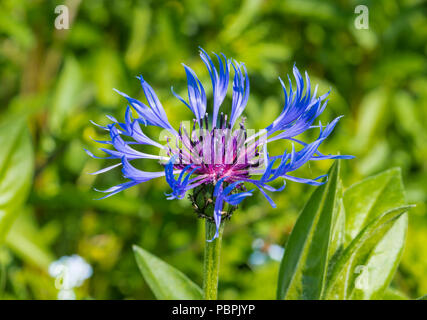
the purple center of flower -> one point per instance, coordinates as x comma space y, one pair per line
215, 153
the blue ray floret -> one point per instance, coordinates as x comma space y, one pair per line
218, 151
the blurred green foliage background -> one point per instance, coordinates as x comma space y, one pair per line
58, 80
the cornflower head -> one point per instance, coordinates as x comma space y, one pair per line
219, 157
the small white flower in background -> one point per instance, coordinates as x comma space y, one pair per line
257, 244
66, 295
276, 252
69, 272
263, 251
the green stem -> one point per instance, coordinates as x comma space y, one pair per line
211, 261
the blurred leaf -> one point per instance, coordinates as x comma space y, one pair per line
409, 117
248, 10
367, 38
67, 94
28, 242
355, 258
140, 28
19, 31
393, 294
423, 297
375, 158
108, 74
75, 156
304, 265
85, 35
398, 67
16, 170
371, 112
313, 10
166, 282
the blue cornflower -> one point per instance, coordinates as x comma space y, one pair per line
218, 152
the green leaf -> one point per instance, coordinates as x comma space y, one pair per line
393, 294
336, 245
371, 197
26, 239
107, 78
135, 53
352, 269
338, 225
383, 262
364, 202
166, 282
67, 95
304, 265
370, 116
423, 297
16, 170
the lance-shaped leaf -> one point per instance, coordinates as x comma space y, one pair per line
166, 282
304, 265
363, 202
382, 263
371, 197
351, 270
338, 224
16, 170
336, 245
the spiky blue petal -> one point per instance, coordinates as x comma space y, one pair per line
196, 94
219, 80
240, 91
153, 115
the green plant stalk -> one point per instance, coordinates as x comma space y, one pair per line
211, 261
